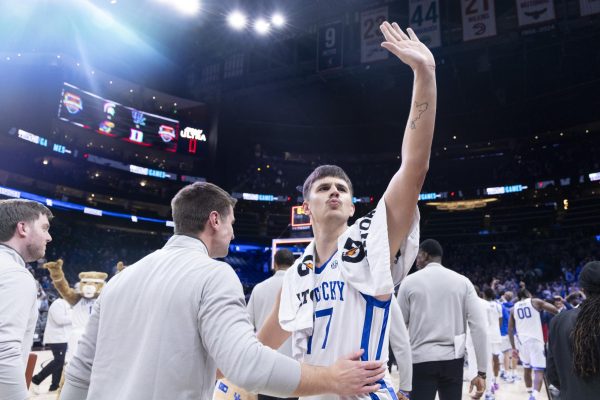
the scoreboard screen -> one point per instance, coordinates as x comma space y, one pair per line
299, 218
109, 118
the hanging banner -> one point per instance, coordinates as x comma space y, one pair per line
329, 46
479, 19
370, 35
535, 11
589, 7
424, 19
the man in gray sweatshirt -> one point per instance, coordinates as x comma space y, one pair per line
162, 327
437, 304
24, 234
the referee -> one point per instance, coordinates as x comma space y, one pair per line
436, 304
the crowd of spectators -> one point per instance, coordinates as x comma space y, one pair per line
523, 160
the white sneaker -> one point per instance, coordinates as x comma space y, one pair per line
35, 388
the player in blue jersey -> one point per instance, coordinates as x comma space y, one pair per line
509, 366
337, 295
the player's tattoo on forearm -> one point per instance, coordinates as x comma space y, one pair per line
421, 108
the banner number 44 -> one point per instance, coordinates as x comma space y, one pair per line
430, 15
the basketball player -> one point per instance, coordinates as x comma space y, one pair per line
494, 309
337, 295
525, 317
508, 373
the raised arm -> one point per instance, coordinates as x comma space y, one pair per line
60, 282
539, 305
403, 191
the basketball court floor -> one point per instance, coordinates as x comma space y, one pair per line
508, 391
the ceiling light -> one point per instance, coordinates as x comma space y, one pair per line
261, 26
237, 20
278, 20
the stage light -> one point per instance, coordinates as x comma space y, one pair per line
278, 20
237, 20
262, 26
188, 7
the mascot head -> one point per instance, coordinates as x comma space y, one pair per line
91, 283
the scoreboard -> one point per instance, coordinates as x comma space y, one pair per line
299, 219
109, 118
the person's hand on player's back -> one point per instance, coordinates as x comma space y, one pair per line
351, 376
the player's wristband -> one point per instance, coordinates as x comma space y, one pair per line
403, 393
482, 374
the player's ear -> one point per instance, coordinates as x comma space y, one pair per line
213, 219
306, 207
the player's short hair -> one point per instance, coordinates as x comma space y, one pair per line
325, 171
489, 293
432, 247
193, 204
284, 258
13, 211
523, 294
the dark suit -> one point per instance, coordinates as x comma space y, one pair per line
560, 361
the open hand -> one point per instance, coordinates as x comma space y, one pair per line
351, 376
406, 46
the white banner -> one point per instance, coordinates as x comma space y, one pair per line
370, 35
479, 19
589, 7
424, 19
535, 11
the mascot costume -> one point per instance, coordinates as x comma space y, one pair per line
81, 300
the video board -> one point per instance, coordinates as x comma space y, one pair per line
109, 118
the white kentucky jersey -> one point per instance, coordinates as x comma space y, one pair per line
527, 321
494, 311
80, 317
332, 309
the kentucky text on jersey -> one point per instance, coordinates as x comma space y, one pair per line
329, 290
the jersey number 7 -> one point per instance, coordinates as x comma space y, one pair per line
326, 312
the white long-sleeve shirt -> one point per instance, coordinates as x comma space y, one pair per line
261, 303
58, 324
18, 316
162, 326
437, 304
400, 344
